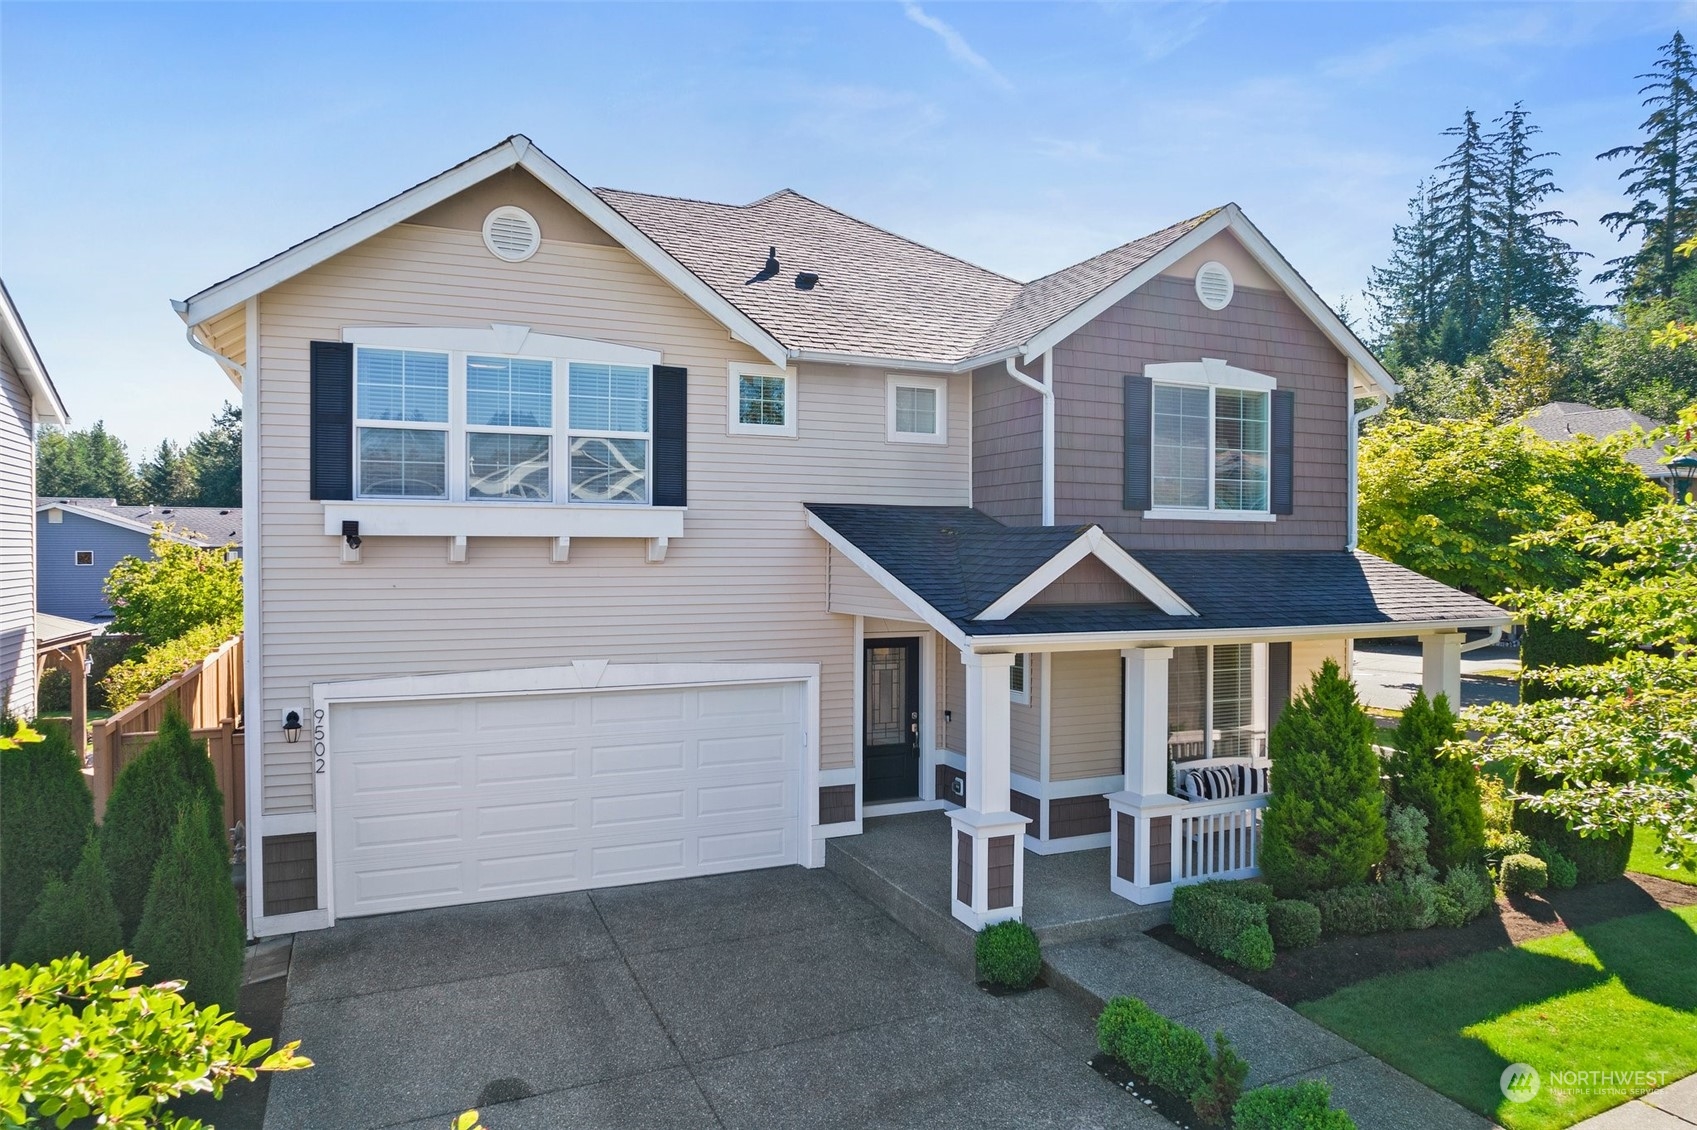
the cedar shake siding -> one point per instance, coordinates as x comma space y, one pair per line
17, 543
746, 582
1007, 447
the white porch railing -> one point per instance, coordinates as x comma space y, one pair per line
1162, 842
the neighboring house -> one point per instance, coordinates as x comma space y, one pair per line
27, 399
79, 540
597, 538
1561, 421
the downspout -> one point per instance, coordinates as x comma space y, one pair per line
1380, 403
1047, 390
238, 372
1494, 636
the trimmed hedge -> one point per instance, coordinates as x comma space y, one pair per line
134, 679
191, 929
46, 816
1306, 1106
73, 917
1293, 923
1008, 954
1169, 1055
1564, 873
1220, 919
1545, 644
1524, 873
1596, 859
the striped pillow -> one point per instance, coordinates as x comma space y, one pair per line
1215, 783
1253, 779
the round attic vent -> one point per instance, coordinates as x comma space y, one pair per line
1214, 285
511, 234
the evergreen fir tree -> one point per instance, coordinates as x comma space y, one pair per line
46, 815
88, 464
1463, 201
1661, 180
1325, 821
1408, 292
74, 917
190, 927
1443, 787
168, 477
216, 455
1536, 268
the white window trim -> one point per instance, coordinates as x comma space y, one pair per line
734, 424
939, 385
1023, 697
1213, 373
77, 555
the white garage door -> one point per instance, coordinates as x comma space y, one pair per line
445, 801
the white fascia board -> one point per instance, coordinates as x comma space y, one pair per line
825, 357
1210, 372
500, 339
1107, 641
912, 600
257, 279
1092, 542
574, 192
15, 339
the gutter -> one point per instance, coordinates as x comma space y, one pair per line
236, 373
1381, 401
1047, 390
1180, 637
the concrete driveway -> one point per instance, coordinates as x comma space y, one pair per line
763, 999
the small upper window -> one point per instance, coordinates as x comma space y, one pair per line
762, 401
1019, 686
85, 557
916, 410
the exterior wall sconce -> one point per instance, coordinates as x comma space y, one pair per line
292, 727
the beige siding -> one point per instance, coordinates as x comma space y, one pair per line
854, 593
1306, 656
1024, 721
874, 626
1084, 725
746, 582
17, 544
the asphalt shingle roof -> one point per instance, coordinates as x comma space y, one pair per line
1562, 420
959, 560
208, 525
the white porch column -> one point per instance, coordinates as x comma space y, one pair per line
987, 852
1440, 666
1142, 840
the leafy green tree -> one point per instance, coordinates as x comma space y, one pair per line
1452, 499
74, 917
191, 929
1530, 371
91, 463
1444, 786
1623, 364
46, 815
168, 476
81, 1042
181, 588
1661, 180
216, 455
1437, 390
173, 771
1325, 822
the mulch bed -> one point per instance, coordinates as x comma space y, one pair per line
1322, 969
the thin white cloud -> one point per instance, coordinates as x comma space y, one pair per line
1493, 35
1160, 29
958, 48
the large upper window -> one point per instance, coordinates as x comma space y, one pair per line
483, 427
1211, 448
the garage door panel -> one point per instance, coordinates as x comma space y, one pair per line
538, 794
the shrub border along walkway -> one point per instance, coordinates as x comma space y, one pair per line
1280, 1045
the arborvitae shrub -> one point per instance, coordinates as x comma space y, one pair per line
173, 771
1443, 786
73, 917
1596, 859
46, 815
1325, 822
191, 929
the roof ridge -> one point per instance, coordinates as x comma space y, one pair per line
894, 235
1200, 218
599, 190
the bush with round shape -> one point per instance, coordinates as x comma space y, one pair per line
1472, 890
1596, 858
1008, 954
1252, 948
73, 917
1222, 1085
1293, 923
1305, 1106
1442, 785
1215, 916
1450, 912
1523, 874
171, 772
191, 929
46, 815
1564, 873
1325, 824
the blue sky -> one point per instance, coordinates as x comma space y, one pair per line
148, 150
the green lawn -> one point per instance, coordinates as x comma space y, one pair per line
1647, 861
1619, 996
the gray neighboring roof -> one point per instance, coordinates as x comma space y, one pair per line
198, 525
878, 295
1562, 420
959, 560
54, 631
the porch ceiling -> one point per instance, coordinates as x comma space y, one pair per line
959, 560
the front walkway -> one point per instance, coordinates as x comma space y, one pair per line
1673, 1107
1280, 1045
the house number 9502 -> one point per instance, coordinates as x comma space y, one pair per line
318, 741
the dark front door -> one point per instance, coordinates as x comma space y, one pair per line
892, 721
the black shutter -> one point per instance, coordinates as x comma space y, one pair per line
1278, 680
671, 435
332, 441
1284, 451
1139, 418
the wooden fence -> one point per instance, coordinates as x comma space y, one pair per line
209, 697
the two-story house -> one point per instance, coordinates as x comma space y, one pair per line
78, 541
594, 538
